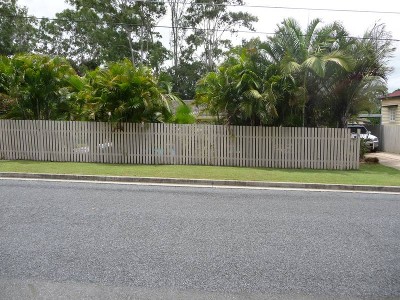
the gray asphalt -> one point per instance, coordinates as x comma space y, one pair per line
105, 241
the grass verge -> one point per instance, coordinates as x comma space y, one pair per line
369, 174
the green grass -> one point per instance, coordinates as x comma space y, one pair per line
369, 174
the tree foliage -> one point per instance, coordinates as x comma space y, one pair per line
307, 57
359, 90
122, 92
178, 10
17, 30
35, 87
201, 33
38, 87
316, 77
211, 20
93, 32
239, 92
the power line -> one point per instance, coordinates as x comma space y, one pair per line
235, 5
178, 27
273, 7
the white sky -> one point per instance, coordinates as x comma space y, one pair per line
355, 22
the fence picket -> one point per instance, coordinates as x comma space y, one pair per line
10, 141
314, 148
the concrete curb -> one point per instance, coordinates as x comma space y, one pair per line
204, 182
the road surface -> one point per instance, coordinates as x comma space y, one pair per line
65, 240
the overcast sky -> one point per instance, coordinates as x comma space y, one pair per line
356, 22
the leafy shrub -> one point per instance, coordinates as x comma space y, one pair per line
363, 148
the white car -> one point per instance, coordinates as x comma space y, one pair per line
371, 141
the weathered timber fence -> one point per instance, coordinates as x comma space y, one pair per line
389, 137
315, 148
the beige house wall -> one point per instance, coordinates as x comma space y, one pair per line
387, 105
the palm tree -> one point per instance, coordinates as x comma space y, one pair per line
305, 57
122, 92
319, 77
238, 93
360, 89
35, 87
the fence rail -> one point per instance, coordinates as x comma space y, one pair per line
283, 147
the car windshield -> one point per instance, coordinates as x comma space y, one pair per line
355, 128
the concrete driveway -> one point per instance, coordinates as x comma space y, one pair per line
387, 159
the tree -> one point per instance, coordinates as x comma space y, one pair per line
178, 9
6, 87
240, 92
319, 77
307, 57
185, 77
35, 87
122, 92
199, 31
210, 21
96, 32
17, 29
359, 90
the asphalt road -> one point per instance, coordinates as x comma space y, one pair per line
61, 240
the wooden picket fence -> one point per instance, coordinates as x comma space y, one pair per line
127, 143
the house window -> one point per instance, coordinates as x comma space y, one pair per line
392, 114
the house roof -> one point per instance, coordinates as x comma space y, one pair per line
395, 94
